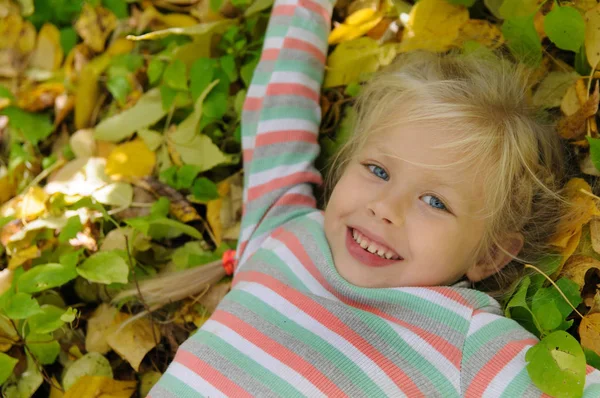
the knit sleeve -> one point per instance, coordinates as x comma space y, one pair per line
281, 119
493, 363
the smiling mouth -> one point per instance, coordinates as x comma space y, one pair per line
370, 258
373, 247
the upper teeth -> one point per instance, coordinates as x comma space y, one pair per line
372, 247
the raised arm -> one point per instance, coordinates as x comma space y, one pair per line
281, 119
494, 365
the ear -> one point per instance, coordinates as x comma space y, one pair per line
512, 243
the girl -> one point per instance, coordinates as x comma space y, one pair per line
447, 179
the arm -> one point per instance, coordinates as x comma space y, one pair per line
494, 365
281, 120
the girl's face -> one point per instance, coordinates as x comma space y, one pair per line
422, 221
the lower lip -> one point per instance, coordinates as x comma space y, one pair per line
365, 257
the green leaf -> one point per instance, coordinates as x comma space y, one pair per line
162, 227
201, 75
21, 306
68, 39
523, 40
565, 27
118, 7
215, 105
92, 364
71, 229
592, 358
147, 111
466, 3
186, 175
518, 8
6, 93
43, 347
161, 207
550, 294
352, 89
48, 320
7, 364
119, 87
557, 365
26, 384
258, 6
69, 315
47, 276
552, 89
156, 67
152, 139
205, 190
175, 76
247, 70
33, 126
238, 103
104, 267
228, 65
518, 309
594, 151
215, 5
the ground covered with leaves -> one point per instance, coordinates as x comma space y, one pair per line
121, 161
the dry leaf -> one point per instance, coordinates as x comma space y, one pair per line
99, 326
133, 341
22, 256
592, 35
553, 88
32, 204
589, 331
131, 159
483, 32
48, 54
63, 105
434, 25
595, 304
40, 97
347, 31
570, 103
224, 214
101, 387
179, 207
595, 234
576, 268
571, 127
94, 25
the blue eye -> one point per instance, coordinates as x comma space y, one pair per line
436, 203
378, 171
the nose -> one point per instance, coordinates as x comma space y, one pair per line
387, 210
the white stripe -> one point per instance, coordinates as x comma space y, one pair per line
248, 142
256, 91
296, 78
273, 43
427, 351
480, 320
268, 126
287, 2
193, 380
282, 171
257, 354
503, 379
286, 255
290, 311
439, 299
253, 245
308, 37
592, 378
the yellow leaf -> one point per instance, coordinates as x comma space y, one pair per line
583, 208
433, 25
48, 53
99, 326
356, 59
573, 126
224, 214
55, 392
133, 341
345, 32
589, 331
213, 211
101, 387
94, 25
576, 268
592, 35
40, 97
8, 186
483, 32
131, 159
147, 381
569, 103
32, 204
22, 256
8, 335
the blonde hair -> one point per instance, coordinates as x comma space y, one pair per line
484, 100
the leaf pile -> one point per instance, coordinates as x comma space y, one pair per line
120, 158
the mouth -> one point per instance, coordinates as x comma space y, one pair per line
371, 254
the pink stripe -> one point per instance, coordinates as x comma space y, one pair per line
279, 136
280, 352
269, 54
296, 199
284, 9
252, 104
490, 370
317, 8
287, 181
301, 45
247, 153
444, 347
292, 89
330, 321
451, 294
210, 374
589, 369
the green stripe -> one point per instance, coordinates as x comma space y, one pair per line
487, 333
517, 385
277, 112
297, 332
262, 78
246, 364
393, 296
271, 223
272, 259
177, 387
390, 336
283, 159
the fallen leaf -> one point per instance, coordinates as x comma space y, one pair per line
595, 234
131, 159
553, 88
119, 194
347, 31
589, 332
353, 61
32, 204
179, 206
133, 341
195, 30
40, 97
573, 126
63, 105
82, 176
483, 32
592, 35
94, 25
148, 380
577, 267
82, 143
569, 103
224, 214
8, 335
98, 386
91, 364
100, 324
48, 54
433, 25
23, 256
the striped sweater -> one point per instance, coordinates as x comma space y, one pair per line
291, 325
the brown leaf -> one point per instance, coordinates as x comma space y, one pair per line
100, 325
572, 127
94, 25
133, 341
48, 54
483, 32
180, 207
577, 267
589, 331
